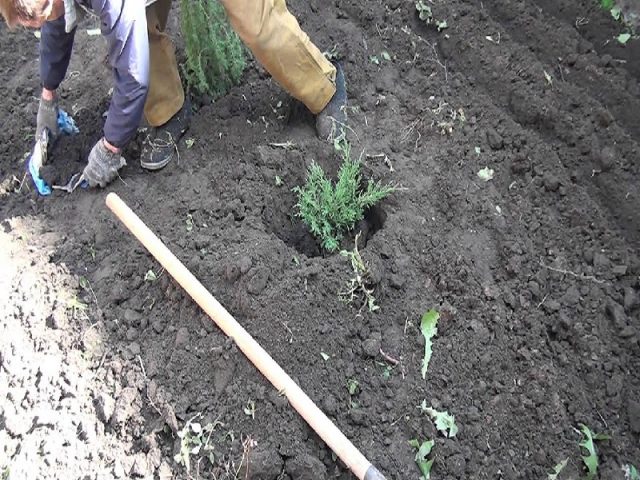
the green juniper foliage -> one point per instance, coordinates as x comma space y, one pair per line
329, 210
215, 55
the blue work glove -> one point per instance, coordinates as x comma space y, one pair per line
103, 165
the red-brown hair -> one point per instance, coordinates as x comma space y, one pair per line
15, 11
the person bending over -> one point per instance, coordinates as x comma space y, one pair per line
146, 74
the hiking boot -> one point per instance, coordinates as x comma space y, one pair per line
332, 121
161, 145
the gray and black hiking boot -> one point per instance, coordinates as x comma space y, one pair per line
332, 121
161, 145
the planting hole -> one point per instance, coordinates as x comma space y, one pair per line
279, 216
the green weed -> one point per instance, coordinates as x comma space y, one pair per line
333, 53
195, 440
426, 15
429, 329
150, 276
557, 469
444, 422
591, 461
424, 449
215, 54
328, 209
384, 55
353, 387
250, 409
629, 20
359, 284
76, 306
631, 473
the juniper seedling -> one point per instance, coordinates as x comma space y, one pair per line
215, 54
330, 209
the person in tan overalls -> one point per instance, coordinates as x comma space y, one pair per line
278, 43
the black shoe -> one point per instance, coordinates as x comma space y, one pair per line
161, 145
332, 121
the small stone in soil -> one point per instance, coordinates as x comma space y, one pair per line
134, 349
231, 272
17, 423
456, 465
630, 299
182, 337
258, 281
118, 470
164, 472
633, 410
607, 159
620, 270
125, 405
551, 182
158, 326
616, 313
627, 332
140, 466
600, 260
244, 264
614, 386
494, 139
371, 346
305, 467
265, 463
131, 316
132, 334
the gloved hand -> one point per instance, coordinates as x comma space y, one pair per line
103, 165
331, 123
48, 118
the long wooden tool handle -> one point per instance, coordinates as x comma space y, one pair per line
320, 423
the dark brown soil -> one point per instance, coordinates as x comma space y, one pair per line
536, 272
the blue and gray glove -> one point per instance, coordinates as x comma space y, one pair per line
47, 132
48, 118
103, 165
